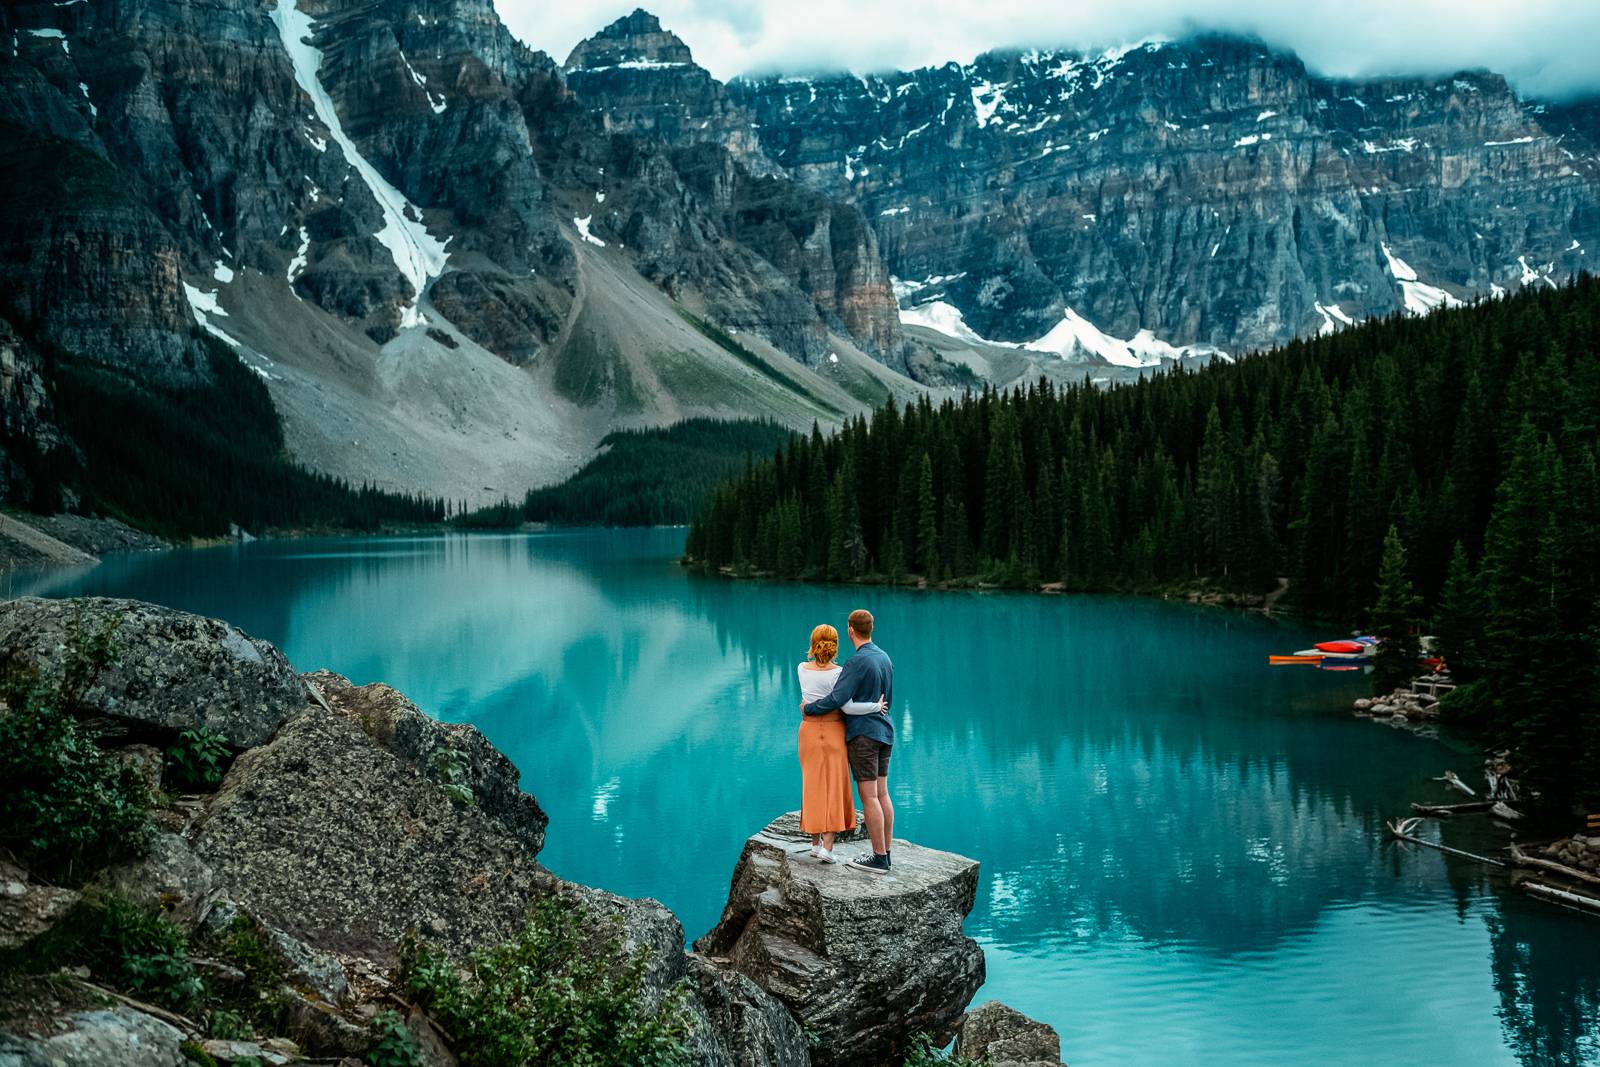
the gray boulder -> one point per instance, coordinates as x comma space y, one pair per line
862, 961
28, 908
333, 838
1007, 1038
171, 670
121, 1036
168, 876
456, 755
744, 1026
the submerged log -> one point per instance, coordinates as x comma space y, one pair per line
1522, 859
1561, 896
1402, 831
1449, 778
1467, 808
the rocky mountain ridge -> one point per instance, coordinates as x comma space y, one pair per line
449, 272
1210, 191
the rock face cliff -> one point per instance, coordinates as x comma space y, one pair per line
643, 79
1209, 190
448, 268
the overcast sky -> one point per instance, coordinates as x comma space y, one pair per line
1546, 47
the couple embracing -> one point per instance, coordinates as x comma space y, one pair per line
845, 731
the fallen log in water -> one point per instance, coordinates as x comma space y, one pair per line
1522, 859
1500, 811
1449, 778
1468, 808
1402, 831
1561, 896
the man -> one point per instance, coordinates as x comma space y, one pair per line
867, 676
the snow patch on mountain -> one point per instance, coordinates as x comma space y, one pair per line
1073, 337
418, 255
1419, 297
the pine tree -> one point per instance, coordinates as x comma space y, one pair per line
927, 522
1459, 618
1394, 619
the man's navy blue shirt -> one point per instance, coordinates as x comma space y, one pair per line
867, 675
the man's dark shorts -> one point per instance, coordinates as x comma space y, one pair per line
869, 758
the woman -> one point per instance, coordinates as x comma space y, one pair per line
826, 807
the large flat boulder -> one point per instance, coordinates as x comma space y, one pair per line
170, 670
862, 961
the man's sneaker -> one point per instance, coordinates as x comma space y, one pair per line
871, 864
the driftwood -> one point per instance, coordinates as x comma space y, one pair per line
1449, 778
1560, 896
187, 1025
1453, 809
1500, 811
1522, 859
1402, 831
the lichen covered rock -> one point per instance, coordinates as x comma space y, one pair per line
1007, 1038
171, 670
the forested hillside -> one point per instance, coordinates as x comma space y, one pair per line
655, 477
191, 461
1472, 432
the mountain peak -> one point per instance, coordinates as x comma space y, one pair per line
635, 40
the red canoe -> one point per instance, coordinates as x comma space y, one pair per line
1346, 647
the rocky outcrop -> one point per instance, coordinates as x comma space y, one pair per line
863, 962
305, 802
352, 820
1210, 190
173, 671
1004, 1037
749, 1026
455, 755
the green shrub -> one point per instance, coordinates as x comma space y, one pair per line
66, 805
396, 1045
125, 945
229, 1026
450, 770
924, 1053
196, 763
546, 997
259, 999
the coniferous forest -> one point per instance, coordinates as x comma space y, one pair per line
654, 477
193, 461
1453, 455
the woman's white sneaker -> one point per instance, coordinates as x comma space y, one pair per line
824, 855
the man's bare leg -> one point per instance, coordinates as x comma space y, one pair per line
872, 813
886, 810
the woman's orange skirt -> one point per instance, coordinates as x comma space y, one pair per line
825, 803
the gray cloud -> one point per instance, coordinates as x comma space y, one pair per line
1548, 48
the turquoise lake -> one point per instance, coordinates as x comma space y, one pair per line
1182, 848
